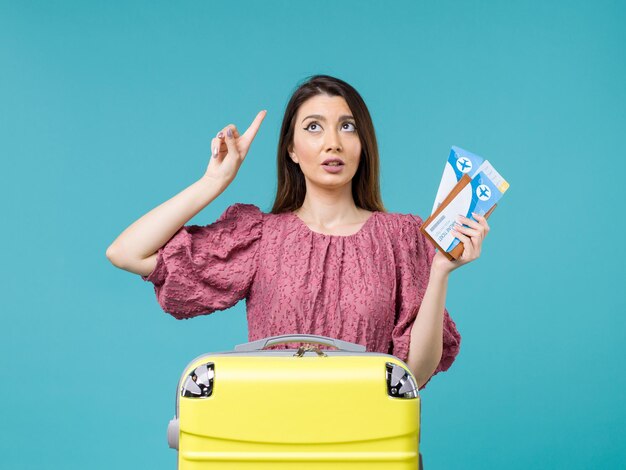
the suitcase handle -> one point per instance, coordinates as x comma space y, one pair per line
272, 340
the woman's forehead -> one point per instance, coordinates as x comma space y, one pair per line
324, 105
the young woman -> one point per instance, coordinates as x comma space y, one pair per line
327, 260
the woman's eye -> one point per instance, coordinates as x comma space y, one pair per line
314, 126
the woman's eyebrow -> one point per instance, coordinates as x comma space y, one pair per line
322, 118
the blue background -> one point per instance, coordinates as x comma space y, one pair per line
107, 110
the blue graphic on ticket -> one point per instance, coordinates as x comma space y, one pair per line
483, 191
460, 162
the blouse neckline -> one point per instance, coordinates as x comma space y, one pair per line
309, 229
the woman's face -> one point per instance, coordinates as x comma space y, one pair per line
325, 142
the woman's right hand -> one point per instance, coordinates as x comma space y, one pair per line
229, 151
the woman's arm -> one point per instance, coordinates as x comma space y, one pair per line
426, 345
135, 248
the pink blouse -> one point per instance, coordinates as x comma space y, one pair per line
364, 288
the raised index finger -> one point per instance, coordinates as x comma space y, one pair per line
254, 127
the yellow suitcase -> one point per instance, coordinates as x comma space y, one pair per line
305, 408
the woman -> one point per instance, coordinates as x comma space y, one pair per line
327, 260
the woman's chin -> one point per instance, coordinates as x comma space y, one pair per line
328, 182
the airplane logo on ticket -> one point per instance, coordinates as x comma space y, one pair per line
483, 192
464, 165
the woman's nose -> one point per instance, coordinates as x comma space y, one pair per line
333, 141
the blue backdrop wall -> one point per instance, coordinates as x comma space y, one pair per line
108, 108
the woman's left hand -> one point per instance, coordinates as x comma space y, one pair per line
472, 238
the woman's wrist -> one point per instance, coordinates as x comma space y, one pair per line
213, 185
439, 274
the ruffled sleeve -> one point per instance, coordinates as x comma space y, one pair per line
414, 259
206, 268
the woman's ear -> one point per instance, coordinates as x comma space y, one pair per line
292, 155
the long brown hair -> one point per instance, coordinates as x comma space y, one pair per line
291, 187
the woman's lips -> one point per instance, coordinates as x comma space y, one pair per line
333, 168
